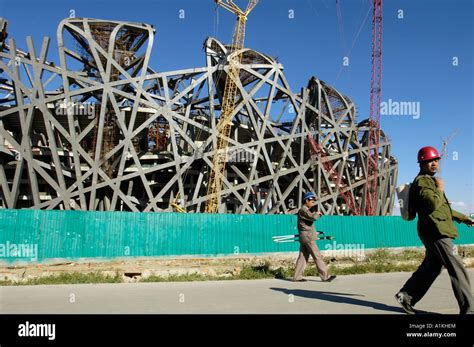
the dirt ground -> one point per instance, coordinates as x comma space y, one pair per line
144, 267
132, 269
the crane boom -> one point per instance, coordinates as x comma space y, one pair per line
228, 104
340, 185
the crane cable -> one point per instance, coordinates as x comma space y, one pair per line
216, 21
216, 31
343, 39
349, 52
356, 38
341, 25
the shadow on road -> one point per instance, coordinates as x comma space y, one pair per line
306, 280
342, 298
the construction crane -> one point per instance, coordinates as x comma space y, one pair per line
178, 207
374, 128
317, 150
371, 192
228, 103
444, 150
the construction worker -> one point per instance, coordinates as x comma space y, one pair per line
307, 238
436, 230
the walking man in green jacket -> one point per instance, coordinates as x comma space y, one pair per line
436, 230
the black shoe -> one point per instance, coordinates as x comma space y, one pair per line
330, 279
404, 300
301, 280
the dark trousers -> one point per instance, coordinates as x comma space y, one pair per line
440, 253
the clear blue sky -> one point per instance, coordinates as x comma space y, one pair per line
418, 53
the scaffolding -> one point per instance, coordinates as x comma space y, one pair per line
50, 159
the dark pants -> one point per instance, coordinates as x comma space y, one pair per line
440, 253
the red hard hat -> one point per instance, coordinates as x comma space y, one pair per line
427, 153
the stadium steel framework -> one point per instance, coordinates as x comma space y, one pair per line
104, 131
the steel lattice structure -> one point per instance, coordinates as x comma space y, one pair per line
104, 131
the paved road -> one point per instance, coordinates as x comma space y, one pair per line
365, 294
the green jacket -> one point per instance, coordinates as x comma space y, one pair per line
435, 216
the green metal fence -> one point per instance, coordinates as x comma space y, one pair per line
80, 234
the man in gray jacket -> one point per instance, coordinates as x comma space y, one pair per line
308, 237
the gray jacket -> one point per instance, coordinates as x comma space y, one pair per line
306, 228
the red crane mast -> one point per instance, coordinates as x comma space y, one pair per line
371, 193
